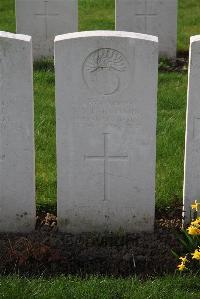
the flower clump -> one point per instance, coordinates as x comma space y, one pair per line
196, 254
194, 228
182, 265
193, 235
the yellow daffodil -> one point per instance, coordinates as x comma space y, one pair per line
196, 222
181, 267
192, 230
196, 254
193, 206
183, 259
196, 206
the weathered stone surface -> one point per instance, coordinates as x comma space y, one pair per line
17, 188
155, 17
192, 141
43, 20
106, 84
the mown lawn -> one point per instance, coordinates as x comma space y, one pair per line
176, 287
188, 22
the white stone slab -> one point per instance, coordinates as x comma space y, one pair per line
192, 140
17, 188
106, 84
43, 20
156, 17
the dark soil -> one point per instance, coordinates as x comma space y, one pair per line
48, 252
179, 65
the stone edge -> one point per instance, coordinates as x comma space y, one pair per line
10, 35
106, 33
195, 38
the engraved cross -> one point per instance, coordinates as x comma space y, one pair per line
146, 15
46, 15
106, 158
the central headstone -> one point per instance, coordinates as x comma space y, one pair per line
156, 17
43, 20
106, 85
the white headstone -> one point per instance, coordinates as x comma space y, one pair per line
192, 144
156, 17
106, 85
43, 20
17, 188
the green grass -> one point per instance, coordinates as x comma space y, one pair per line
100, 288
172, 92
96, 15
7, 15
99, 14
188, 22
45, 139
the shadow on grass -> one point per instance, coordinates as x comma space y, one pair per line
46, 65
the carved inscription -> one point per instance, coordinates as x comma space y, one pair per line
116, 114
46, 16
105, 71
106, 158
146, 10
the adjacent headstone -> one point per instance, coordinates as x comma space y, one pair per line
17, 188
43, 20
156, 17
192, 145
106, 84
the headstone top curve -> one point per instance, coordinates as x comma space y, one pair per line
22, 37
195, 38
106, 33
